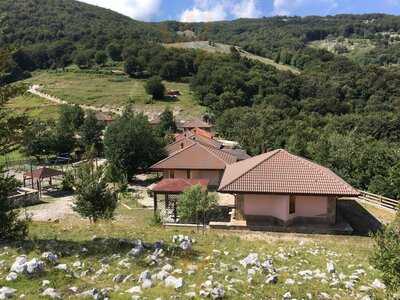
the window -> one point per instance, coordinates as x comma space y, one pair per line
188, 174
292, 204
171, 174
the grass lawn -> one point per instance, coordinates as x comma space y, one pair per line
34, 107
215, 254
224, 48
113, 91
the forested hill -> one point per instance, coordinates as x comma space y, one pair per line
28, 22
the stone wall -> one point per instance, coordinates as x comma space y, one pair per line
24, 197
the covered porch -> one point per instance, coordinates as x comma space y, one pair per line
166, 196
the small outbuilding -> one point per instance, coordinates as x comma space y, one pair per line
279, 188
37, 176
166, 195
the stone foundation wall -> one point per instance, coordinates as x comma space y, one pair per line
25, 197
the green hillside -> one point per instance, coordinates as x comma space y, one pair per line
224, 48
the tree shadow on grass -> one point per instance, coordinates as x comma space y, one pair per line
362, 221
97, 247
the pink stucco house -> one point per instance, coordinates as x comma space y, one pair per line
280, 188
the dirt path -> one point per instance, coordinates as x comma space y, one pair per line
35, 90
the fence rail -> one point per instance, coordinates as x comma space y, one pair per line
380, 200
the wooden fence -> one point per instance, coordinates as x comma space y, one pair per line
380, 200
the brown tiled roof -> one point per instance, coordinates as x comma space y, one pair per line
178, 145
177, 185
202, 132
197, 157
196, 124
43, 173
279, 172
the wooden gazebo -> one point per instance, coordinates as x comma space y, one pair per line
39, 175
166, 194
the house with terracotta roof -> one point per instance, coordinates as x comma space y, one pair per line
279, 188
190, 159
190, 125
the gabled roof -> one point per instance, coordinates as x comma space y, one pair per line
177, 185
43, 173
280, 172
196, 124
196, 156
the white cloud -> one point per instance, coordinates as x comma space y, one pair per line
292, 7
246, 9
217, 10
136, 9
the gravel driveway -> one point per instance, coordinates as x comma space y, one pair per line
54, 209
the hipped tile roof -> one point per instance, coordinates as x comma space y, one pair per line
177, 185
196, 124
196, 156
280, 172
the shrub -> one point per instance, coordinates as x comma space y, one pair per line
94, 200
11, 226
386, 256
155, 87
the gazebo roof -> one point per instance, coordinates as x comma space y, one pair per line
44, 172
178, 185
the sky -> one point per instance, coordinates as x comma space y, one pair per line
217, 10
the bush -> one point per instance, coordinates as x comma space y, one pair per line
94, 200
11, 226
386, 256
155, 87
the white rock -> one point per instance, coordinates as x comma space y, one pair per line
377, 284
135, 290
61, 267
45, 283
217, 293
290, 281
51, 257
330, 267
118, 278
51, 293
73, 289
287, 296
324, 296
147, 283
272, 279
186, 245
7, 293
251, 259
144, 275
12, 276
162, 275
366, 297
34, 266
19, 265
173, 282
167, 268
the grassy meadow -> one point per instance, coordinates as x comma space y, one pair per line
102, 251
113, 91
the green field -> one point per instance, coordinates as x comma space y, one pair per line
112, 91
224, 48
34, 107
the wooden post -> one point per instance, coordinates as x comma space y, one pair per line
155, 203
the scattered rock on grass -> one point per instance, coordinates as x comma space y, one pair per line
7, 293
173, 282
51, 293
